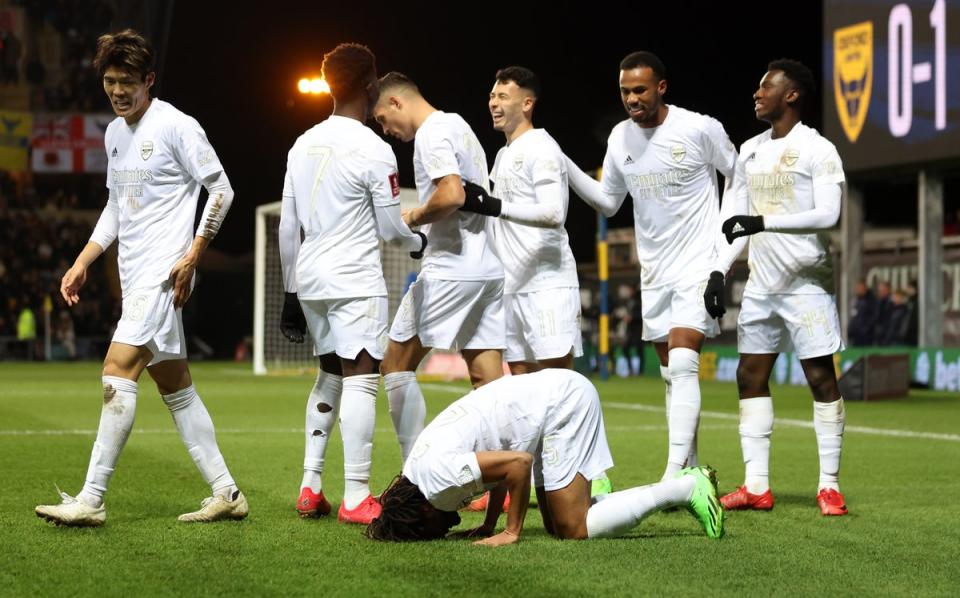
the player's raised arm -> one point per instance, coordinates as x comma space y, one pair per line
592, 191
549, 211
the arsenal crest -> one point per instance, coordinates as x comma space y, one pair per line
853, 75
146, 149
790, 157
678, 152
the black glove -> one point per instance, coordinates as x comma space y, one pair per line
713, 296
292, 323
741, 226
423, 245
478, 201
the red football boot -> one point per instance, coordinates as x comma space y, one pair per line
741, 500
831, 502
480, 505
312, 505
364, 513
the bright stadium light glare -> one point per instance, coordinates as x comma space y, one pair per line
313, 86
318, 86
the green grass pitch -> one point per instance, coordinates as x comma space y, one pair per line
900, 475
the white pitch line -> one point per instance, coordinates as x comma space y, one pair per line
799, 423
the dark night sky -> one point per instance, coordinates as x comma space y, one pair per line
238, 77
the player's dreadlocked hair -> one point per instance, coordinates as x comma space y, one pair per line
799, 74
402, 516
126, 50
348, 69
642, 59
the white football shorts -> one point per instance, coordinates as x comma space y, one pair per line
677, 306
452, 314
347, 326
807, 324
150, 320
543, 324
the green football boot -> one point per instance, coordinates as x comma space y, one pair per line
600, 487
704, 504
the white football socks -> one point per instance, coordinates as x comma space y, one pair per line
684, 416
116, 421
407, 408
196, 430
323, 405
756, 426
828, 422
620, 512
358, 416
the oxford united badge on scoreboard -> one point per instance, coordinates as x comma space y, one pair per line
853, 75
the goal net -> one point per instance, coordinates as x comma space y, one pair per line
274, 354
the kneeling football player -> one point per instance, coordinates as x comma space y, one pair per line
549, 421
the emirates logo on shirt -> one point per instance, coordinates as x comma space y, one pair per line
395, 184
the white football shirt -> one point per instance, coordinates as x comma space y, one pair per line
778, 176
534, 258
155, 169
670, 172
507, 414
336, 172
457, 246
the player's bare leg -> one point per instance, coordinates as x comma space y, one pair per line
756, 427
484, 365
528, 367
408, 410
828, 422
683, 413
196, 430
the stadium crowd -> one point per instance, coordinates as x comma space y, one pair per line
35, 246
885, 317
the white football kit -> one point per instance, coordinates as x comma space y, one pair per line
788, 302
456, 302
670, 171
552, 414
341, 181
541, 290
155, 169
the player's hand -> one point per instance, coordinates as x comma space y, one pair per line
293, 324
70, 284
741, 226
482, 531
423, 246
502, 539
181, 277
477, 200
713, 297
407, 217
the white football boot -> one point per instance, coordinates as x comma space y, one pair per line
72, 512
216, 508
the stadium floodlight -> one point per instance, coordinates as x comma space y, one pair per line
313, 86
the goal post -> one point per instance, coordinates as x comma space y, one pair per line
274, 354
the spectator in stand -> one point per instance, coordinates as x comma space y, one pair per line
884, 308
899, 313
863, 316
911, 329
